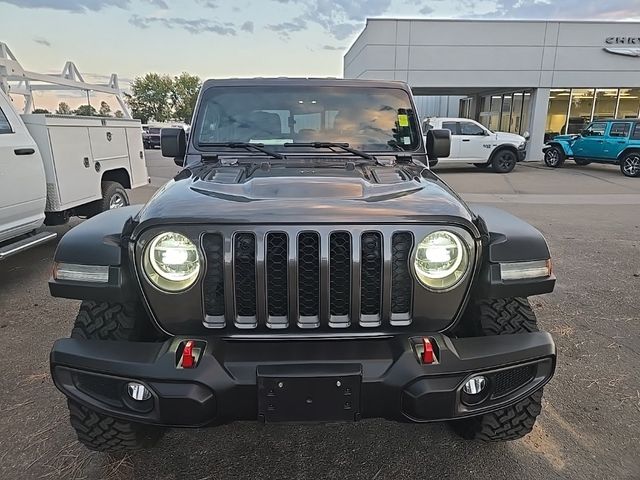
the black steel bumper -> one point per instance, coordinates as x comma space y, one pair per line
343, 379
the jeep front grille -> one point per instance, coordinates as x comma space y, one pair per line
307, 278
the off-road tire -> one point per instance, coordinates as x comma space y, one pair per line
502, 316
581, 162
504, 160
110, 321
96, 431
630, 164
554, 157
107, 434
113, 196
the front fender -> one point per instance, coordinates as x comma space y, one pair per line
564, 145
101, 240
509, 239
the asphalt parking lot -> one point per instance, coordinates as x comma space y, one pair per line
589, 428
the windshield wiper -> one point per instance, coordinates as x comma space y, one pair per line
258, 147
343, 146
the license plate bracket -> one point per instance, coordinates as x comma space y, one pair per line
309, 393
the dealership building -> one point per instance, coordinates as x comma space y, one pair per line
541, 77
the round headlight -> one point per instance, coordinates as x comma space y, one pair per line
441, 260
172, 262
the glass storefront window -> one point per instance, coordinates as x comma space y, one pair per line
506, 113
606, 100
580, 110
516, 113
629, 103
557, 112
465, 108
494, 115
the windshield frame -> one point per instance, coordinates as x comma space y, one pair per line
194, 147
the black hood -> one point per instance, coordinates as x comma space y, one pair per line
300, 193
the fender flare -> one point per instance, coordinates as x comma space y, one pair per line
508, 239
503, 146
561, 145
628, 150
100, 240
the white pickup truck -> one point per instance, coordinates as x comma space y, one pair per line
53, 167
474, 143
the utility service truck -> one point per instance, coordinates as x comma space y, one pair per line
53, 167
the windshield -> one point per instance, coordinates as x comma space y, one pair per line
367, 118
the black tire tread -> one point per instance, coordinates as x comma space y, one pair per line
494, 157
561, 158
505, 316
509, 423
502, 316
107, 434
627, 155
108, 189
111, 322
108, 321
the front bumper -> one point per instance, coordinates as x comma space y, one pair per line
232, 378
522, 154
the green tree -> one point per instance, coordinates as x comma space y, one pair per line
150, 97
85, 110
184, 94
64, 109
118, 114
40, 110
105, 109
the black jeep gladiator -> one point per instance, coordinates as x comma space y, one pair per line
305, 265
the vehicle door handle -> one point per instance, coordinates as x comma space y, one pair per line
466, 140
24, 151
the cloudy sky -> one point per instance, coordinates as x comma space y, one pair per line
220, 38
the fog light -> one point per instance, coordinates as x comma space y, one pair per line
475, 385
137, 391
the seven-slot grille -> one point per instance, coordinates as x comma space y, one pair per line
307, 278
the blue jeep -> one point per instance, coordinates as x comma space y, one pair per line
603, 141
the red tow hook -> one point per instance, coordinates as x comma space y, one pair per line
188, 360
427, 351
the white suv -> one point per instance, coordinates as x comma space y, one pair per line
474, 143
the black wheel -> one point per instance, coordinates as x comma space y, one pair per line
581, 162
554, 157
630, 164
481, 165
113, 196
96, 431
504, 161
433, 163
501, 316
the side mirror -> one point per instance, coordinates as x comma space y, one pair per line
438, 143
173, 143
